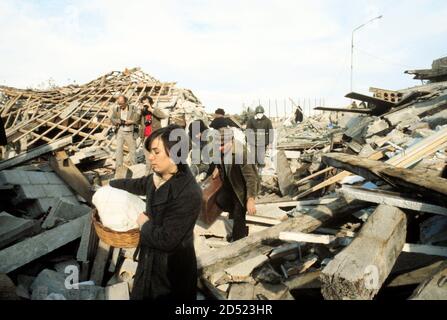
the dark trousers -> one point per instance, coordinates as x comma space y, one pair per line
228, 201
259, 154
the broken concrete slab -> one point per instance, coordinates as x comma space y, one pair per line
119, 291
241, 291
64, 211
13, 228
28, 250
14, 177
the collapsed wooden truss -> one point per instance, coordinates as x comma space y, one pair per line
34, 117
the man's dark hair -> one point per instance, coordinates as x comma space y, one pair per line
220, 111
151, 101
169, 141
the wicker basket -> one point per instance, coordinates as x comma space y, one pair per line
117, 239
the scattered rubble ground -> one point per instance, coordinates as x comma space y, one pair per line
355, 208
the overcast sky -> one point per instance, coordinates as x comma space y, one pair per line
228, 52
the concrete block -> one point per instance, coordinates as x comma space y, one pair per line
71, 199
53, 178
31, 192
36, 177
13, 228
33, 248
46, 203
63, 211
14, 177
57, 191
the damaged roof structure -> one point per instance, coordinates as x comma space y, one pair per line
352, 205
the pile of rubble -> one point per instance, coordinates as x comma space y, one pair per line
353, 204
59, 150
357, 208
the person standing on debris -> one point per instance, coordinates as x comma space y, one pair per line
3, 140
150, 121
299, 115
124, 117
167, 266
240, 183
220, 121
199, 138
259, 135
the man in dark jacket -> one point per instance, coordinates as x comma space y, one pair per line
220, 121
3, 140
167, 266
259, 134
240, 183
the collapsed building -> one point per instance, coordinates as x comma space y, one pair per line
353, 202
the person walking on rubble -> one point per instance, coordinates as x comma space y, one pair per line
3, 139
240, 183
259, 135
150, 121
220, 121
167, 266
124, 117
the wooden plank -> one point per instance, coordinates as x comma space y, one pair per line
345, 110
314, 175
34, 153
114, 260
359, 271
425, 249
414, 277
30, 249
306, 237
308, 280
285, 181
99, 265
338, 177
435, 287
262, 220
392, 199
413, 179
242, 271
68, 172
254, 244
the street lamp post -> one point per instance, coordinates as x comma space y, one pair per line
352, 44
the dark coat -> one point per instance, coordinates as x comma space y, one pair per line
167, 266
3, 140
261, 128
243, 178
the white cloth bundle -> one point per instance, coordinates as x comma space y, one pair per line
118, 209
